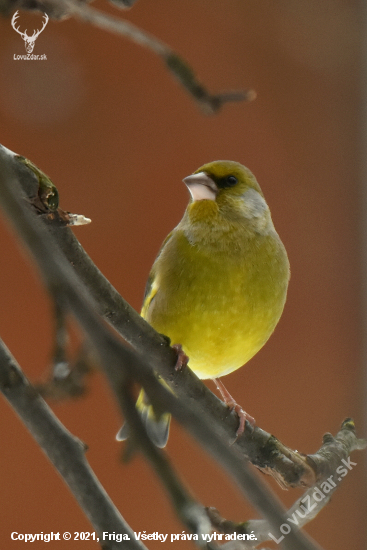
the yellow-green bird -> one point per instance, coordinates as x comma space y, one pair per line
219, 283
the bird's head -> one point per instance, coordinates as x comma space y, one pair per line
220, 179
229, 189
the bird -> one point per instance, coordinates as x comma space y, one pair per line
218, 285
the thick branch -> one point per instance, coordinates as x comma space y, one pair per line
191, 513
121, 364
264, 450
71, 296
290, 468
65, 451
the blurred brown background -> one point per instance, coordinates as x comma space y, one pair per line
116, 134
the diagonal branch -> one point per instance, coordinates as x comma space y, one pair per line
178, 67
336, 464
209, 103
191, 513
290, 468
65, 451
265, 451
121, 363
62, 284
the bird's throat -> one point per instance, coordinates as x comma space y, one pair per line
202, 211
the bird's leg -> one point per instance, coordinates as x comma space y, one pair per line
233, 405
182, 358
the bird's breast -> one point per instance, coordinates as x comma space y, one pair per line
221, 303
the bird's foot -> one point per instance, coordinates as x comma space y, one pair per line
234, 406
243, 416
182, 358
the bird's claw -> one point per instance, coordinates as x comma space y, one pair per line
234, 406
182, 358
243, 416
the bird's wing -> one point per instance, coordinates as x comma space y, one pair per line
151, 287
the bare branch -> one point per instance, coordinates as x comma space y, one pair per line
176, 65
65, 451
259, 445
123, 4
121, 364
209, 103
290, 468
115, 25
192, 514
334, 465
263, 450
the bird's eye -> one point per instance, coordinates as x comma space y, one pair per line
226, 181
231, 181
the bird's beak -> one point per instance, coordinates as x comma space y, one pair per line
201, 187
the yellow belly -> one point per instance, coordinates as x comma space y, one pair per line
220, 307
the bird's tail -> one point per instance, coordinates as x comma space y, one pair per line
156, 424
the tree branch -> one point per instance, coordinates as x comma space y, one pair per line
334, 462
176, 65
65, 451
180, 69
121, 364
265, 451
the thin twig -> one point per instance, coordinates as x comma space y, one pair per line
336, 466
118, 26
123, 4
177, 66
182, 72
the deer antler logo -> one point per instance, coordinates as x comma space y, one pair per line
28, 40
